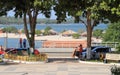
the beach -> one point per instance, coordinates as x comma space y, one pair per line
46, 41
42, 38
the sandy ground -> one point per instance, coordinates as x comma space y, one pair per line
50, 37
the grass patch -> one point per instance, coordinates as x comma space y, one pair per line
0, 60
94, 60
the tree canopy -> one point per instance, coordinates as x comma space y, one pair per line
98, 33
112, 33
88, 12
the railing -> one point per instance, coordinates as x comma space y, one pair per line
107, 44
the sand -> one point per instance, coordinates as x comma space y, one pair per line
50, 37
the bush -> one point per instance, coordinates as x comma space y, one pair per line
40, 57
118, 48
76, 36
10, 29
115, 70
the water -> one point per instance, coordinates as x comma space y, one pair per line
60, 27
14, 43
57, 27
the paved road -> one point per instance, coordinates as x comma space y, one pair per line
55, 68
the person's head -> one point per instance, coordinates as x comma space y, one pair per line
80, 45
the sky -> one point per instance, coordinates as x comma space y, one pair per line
11, 14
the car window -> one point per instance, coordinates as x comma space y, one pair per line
102, 50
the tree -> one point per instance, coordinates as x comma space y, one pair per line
5, 6
88, 12
112, 33
47, 30
98, 33
29, 10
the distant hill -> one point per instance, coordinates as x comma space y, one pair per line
12, 20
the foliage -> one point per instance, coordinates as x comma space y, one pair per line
13, 20
23, 31
112, 33
90, 13
29, 10
47, 30
10, 29
98, 33
118, 47
76, 36
40, 57
38, 32
5, 6
10, 20
115, 70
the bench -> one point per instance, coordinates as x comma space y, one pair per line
112, 57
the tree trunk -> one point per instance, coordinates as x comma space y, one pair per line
89, 35
30, 33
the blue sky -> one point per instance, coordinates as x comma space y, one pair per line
11, 13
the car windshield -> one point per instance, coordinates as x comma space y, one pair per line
102, 50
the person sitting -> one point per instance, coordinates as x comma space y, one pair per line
78, 51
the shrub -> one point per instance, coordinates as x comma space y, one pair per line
118, 48
10, 29
115, 70
76, 36
40, 57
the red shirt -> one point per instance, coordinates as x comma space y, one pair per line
36, 52
2, 52
80, 49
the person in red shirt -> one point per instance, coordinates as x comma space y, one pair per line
80, 48
78, 51
1, 50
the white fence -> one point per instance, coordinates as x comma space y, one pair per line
108, 44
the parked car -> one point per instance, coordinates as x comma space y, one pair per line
18, 51
97, 52
21, 51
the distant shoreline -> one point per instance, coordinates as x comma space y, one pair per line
41, 38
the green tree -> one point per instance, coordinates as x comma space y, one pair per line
28, 10
112, 33
47, 30
88, 12
5, 6
98, 33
